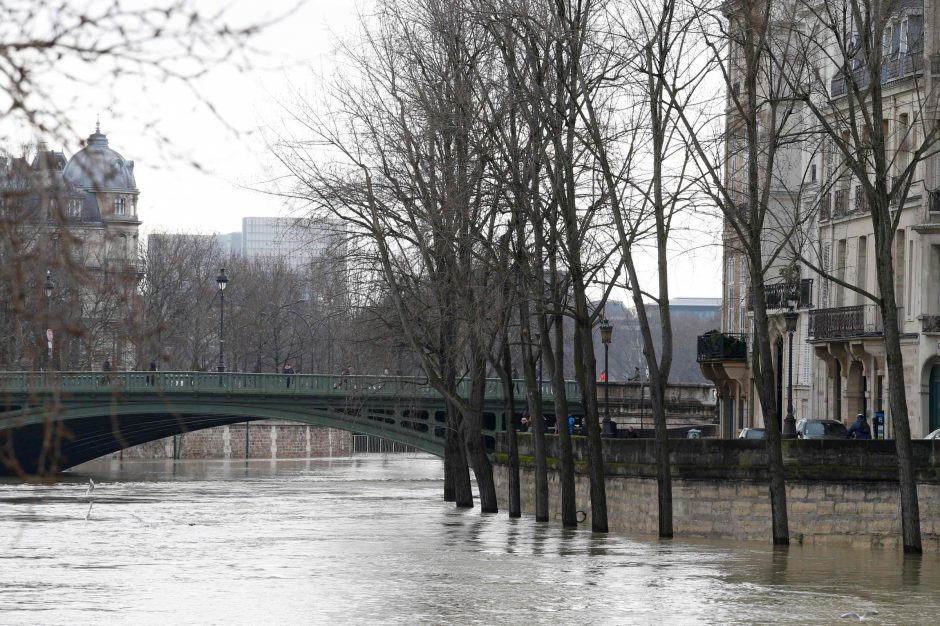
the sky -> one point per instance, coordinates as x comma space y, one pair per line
229, 144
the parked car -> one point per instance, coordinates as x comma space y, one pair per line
934, 435
821, 429
752, 433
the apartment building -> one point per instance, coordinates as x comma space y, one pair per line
838, 354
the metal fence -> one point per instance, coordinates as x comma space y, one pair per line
369, 444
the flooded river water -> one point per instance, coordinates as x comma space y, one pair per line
368, 540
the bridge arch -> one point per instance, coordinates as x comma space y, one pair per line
94, 416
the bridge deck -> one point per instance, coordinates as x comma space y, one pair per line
237, 382
90, 414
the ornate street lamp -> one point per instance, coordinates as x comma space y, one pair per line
221, 280
789, 422
49, 286
606, 331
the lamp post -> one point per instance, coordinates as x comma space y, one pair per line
49, 286
221, 280
606, 331
789, 422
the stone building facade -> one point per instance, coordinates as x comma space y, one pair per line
76, 220
838, 355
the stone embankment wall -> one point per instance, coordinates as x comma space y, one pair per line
266, 440
837, 491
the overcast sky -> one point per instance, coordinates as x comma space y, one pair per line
300, 50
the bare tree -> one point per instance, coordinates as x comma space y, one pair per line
646, 201
741, 174
875, 116
406, 173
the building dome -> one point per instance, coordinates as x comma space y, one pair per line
98, 168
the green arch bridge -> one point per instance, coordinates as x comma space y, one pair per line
55, 420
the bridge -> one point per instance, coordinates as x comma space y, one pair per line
55, 420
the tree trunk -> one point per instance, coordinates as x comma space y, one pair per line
472, 425
768, 400
515, 504
537, 419
554, 359
897, 396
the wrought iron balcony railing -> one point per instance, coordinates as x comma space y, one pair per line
716, 346
779, 295
847, 321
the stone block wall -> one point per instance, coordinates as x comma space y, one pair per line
266, 440
836, 493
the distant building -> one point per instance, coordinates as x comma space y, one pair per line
298, 241
230, 243
699, 308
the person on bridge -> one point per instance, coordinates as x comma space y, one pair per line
604, 376
151, 378
636, 374
289, 371
106, 368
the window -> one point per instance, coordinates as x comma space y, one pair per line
75, 208
120, 206
886, 39
899, 249
812, 173
859, 198
910, 277
861, 268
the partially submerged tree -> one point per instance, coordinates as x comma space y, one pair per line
874, 110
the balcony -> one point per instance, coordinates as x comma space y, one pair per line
716, 346
777, 295
846, 322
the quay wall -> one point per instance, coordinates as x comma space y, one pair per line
843, 492
268, 439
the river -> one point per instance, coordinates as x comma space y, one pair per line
368, 540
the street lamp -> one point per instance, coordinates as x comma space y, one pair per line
606, 331
789, 422
221, 280
49, 286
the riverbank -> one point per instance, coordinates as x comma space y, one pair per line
838, 492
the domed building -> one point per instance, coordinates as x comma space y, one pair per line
80, 217
104, 191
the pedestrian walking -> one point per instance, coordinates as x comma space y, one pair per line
106, 368
860, 429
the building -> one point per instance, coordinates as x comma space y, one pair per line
838, 355
297, 241
80, 218
705, 309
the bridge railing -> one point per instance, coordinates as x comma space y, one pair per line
247, 383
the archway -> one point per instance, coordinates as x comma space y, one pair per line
933, 422
854, 389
